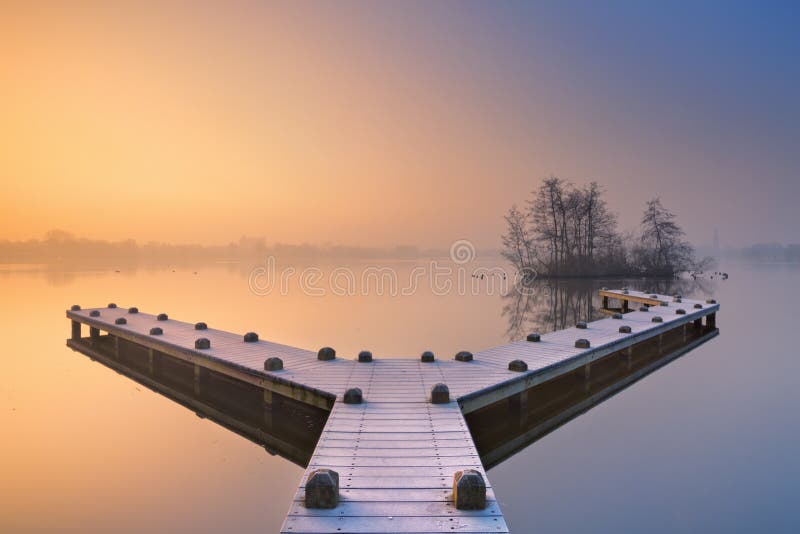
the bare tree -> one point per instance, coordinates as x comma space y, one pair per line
548, 221
569, 231
665, 250
518, 246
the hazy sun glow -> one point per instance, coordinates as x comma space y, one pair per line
377, 124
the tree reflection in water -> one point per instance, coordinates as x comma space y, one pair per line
554, 304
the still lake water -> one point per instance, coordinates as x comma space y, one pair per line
708, 443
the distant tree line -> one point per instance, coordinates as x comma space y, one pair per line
61, 246
568, 231
772, 252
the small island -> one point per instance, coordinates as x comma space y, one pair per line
568, 231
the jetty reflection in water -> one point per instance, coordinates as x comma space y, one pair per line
283, 426
506, 427
291, 429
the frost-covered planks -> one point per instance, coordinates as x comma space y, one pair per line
640, 297
396, 453
556, 352
228, 354
177, 334
395, 461
558, 346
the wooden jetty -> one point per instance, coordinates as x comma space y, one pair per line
396, 453
503, 428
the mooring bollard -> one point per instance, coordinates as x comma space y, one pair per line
582, 344
94, 313
653, 296
250, 337
273, 364
534, 337
112, 305
711, 301
120, 320
75, 307
202, 343
680, 311
657, 319
440, 394
133, 309
644, 308
365, 356
517, 365
427, 357
162, 317
326, 354
698, 306
664, 303
624, 329
677, 299
353, 396
469, 490
464, 356
322, 489
581, 325
200, 326
617, 316
156, 331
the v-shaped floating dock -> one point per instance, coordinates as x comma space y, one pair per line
395, 454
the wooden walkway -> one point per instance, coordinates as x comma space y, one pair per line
396, 453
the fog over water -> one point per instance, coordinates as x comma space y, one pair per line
703, 444
337, 174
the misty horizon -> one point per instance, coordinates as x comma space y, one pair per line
57, 245
376, 126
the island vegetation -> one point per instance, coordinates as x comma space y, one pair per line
568, 231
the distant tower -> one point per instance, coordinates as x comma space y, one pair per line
715, 243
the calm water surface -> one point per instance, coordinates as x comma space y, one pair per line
707, 443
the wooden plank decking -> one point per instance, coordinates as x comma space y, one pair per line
396, 453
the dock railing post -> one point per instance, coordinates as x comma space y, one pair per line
518, 406
197, 369
322, 489
76, 331
469, 490
94, 334
267, 410
587, 376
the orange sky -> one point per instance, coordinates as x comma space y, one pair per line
201, 123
